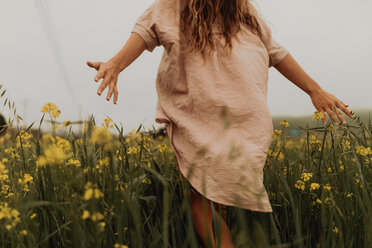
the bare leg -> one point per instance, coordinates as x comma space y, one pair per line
196, 201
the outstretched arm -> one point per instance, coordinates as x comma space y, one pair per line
110, 70
322, 100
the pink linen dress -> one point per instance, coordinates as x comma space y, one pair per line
216, 115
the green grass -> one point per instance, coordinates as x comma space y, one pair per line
145, 205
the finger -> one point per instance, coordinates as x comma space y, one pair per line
330, 113
94, 65
340, 117
103, 85
111, 90
116, 93
344, 104
99, 75
347, 112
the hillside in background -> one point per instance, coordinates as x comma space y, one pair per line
296, 121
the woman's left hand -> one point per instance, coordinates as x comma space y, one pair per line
326, 102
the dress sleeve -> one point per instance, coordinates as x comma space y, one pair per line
276, 51
146, 27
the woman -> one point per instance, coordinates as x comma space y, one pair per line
212, 88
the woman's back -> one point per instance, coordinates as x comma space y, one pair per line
220, 105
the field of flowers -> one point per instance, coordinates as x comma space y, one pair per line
101, 188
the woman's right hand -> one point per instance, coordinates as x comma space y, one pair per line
109, 71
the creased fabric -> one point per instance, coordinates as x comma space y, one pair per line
216, 115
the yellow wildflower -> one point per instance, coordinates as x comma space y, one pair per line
27, 178
342, 168
277, 132
32, 216
318, 115
96, 216
23, 137
345, 144
133, 149
349, 195
314, 186
74, 162
102, 226
106, 123
364, 151
12, 152
327, 187
329, 169
162, 147
300, 185
306, 176
335, 229
91, 192
85, 214
52, 109
146, 180
54, 154
318, 201
147, 139
41, 161
100, 135
284, 123
133, 136
23, 232
117, 245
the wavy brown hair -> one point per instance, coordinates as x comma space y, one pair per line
198, 16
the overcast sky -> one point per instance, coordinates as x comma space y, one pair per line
44, 47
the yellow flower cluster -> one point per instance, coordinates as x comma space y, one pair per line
3, 173
346, 144
284, 123
133, 150
27, 179
300, 185
314, 141
331, 128
101, 136
95, 216
364, 151
314, 186
4, 181
117, 245
53, 154
318, 115
327, 187
91, 192
11, 215
105, 162
106, 123
74, 162
306, 176
12, 152
162, 147
146, 180
277, 132
119, 155
51, 109
133, 136
24, 138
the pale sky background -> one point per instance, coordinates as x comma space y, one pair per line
45, 44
